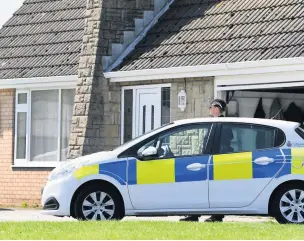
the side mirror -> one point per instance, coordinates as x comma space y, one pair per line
149, 152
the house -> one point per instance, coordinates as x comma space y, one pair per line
39, 55
81, 76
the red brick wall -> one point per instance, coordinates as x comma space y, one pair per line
17, 185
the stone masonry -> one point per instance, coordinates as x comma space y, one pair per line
97, 105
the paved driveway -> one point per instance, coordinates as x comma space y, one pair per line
34, 215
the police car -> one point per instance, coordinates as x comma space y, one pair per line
237, 166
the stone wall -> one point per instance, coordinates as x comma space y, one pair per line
96, 116
97, 105
200, 92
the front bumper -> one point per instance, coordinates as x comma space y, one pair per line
57, 196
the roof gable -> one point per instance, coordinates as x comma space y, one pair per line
202, 32
43, 38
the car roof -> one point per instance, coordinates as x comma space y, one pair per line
283, 125
269, 122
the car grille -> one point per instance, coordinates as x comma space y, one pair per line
51, 204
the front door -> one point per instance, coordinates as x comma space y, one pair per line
144, 108
248, 159
148, 110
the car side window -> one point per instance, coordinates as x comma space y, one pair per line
185, 141
247, 138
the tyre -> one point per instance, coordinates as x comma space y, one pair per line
288, 204
98, 203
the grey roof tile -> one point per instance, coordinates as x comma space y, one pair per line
200, 32
43, 38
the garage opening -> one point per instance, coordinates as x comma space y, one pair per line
277, 103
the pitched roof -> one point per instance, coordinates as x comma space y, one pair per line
202, 32
43, 38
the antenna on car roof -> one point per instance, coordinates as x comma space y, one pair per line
283, 106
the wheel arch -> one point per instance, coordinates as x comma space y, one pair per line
284, 184
90, 183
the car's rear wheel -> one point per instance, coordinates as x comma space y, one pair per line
99, 203
288, 204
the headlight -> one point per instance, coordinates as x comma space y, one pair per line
63, 171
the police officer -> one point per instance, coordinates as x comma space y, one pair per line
216, 109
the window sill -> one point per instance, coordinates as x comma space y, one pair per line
37, 165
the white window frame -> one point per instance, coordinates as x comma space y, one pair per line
27, 108
135, 88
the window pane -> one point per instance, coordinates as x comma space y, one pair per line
190, 141
44, 125
165, 108
67, 105
22, 98
144, 119
246, 138
128, 115
183, 142
21, 135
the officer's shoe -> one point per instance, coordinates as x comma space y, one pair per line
190, 219
215, 218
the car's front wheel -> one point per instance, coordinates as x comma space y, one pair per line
99, 203
288, 204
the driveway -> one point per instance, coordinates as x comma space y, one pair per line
20, 215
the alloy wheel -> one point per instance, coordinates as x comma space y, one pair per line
292, 206
98, 206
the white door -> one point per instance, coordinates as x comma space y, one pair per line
248, 160
176, 178
148, 110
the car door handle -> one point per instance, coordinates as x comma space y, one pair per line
196, 167
263, 160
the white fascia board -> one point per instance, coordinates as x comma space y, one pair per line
260, 81
238, 68
38, 82
277, 77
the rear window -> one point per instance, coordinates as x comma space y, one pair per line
300, 132
247, 138
279, 138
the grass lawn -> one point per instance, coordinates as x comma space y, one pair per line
148, 230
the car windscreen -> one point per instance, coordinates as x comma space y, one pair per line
141, 136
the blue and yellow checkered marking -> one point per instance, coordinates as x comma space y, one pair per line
240, 166
297, 161
236, 166
116, 170
232, 166
269, 171
182, 174
166, 171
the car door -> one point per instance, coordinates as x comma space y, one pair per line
248, 158
175, 178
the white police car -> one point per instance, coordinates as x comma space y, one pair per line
239, 166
